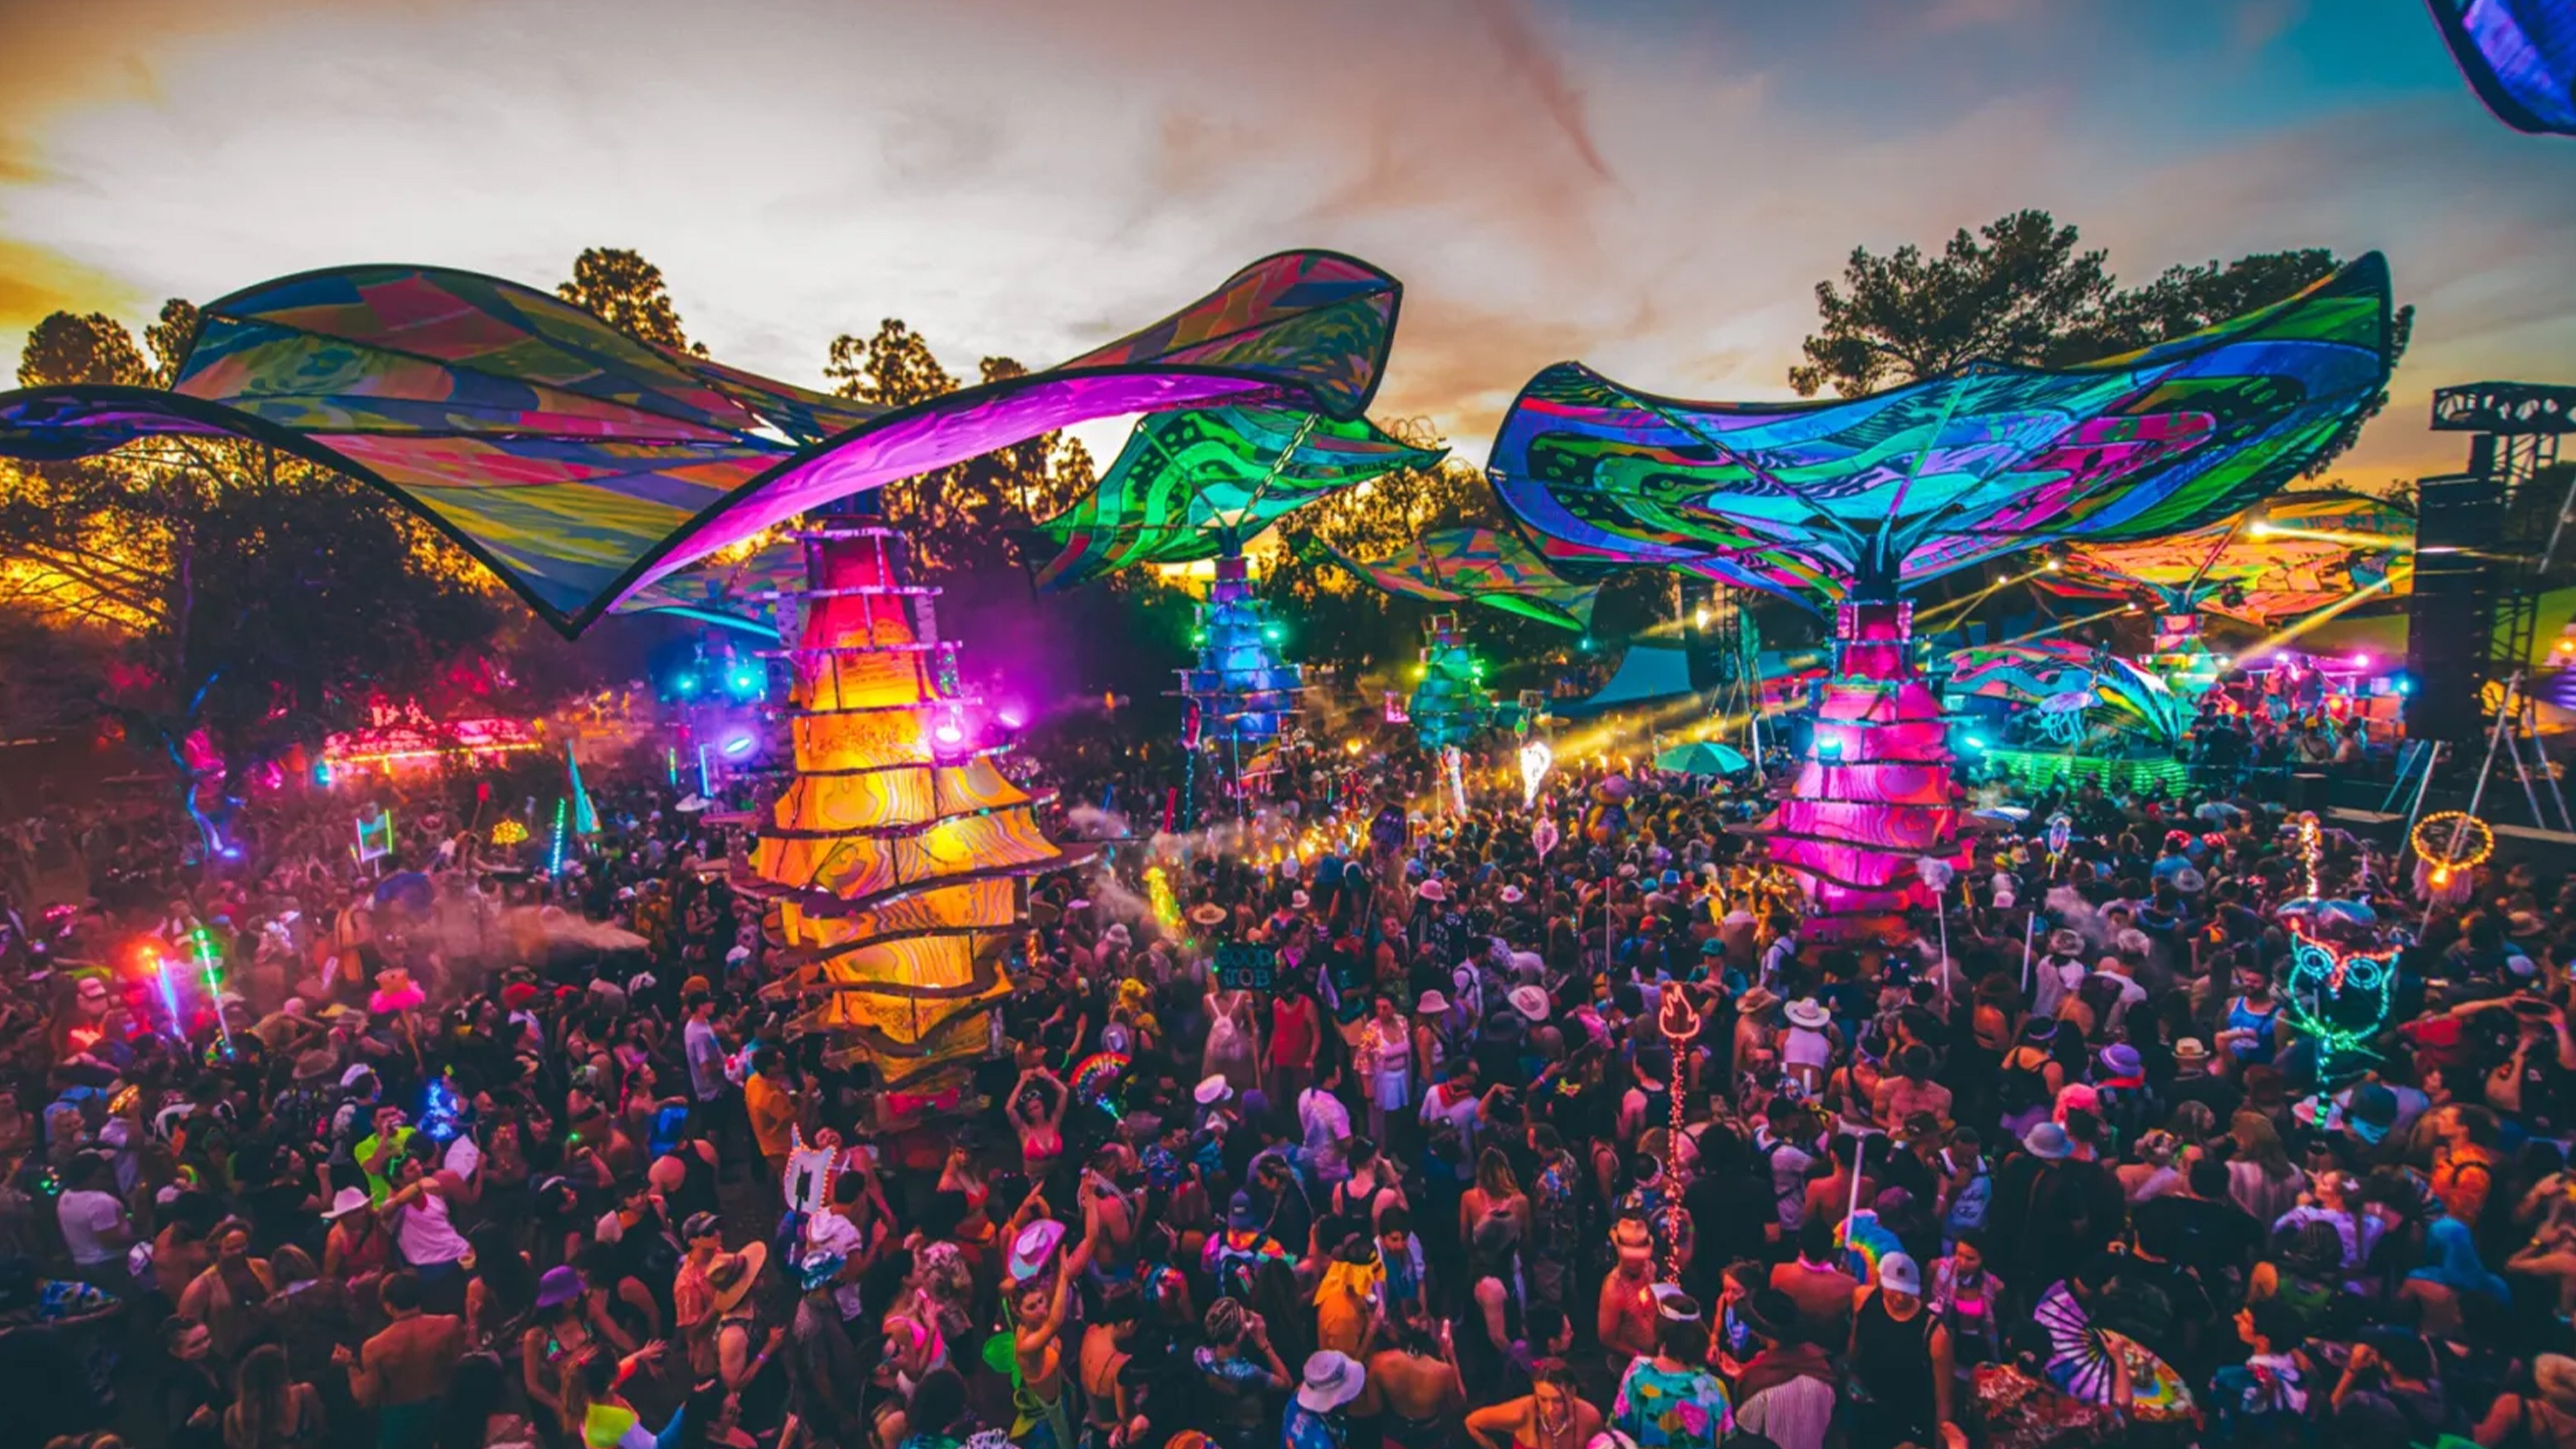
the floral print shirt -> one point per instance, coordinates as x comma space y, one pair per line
1664, 1410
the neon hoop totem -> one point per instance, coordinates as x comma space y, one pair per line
2451, 843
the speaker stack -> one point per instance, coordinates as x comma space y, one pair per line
2453, 611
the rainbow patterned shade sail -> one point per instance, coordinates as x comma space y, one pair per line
1816, 498
2304, 552
895, 859
1479, 565
1190, 485
742, 593
2521, 56
582, 466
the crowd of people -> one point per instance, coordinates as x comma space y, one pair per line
1362, 1123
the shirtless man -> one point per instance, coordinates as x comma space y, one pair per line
1627, 1317
403, 1372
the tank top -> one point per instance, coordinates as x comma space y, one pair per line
1894, 1360
1805, 1048
2241, 1017
697, 1192
2020, 1087
425, 1235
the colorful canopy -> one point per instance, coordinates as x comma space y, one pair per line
2521, 56
2299, 553
1812, 498
737, 591
2066, 679
1188, 484
1484, 565
581, 465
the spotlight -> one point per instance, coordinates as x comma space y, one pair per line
738, 745
1011, 719
1272, 633
2361, 661
1829, 752
684, 685
948, 733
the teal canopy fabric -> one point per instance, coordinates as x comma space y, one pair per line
582, 466
1809, 499
1189, 483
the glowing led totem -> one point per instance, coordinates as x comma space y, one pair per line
897, 857
1874, 792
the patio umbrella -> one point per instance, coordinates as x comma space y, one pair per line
1700, 758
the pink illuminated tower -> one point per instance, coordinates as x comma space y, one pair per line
1874, 792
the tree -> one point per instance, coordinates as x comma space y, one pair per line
2019, 292
69, 348
2006, 294
258, 600
625, 291
963, 516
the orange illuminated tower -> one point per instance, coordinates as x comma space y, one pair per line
897, 859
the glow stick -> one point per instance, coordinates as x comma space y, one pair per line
170, 997
214, 987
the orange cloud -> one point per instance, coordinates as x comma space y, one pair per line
35, 281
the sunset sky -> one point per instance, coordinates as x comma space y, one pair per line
1653, 186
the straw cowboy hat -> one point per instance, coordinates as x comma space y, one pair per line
1210, 914
1213, 1090
1808, 1012
732, 1275
1433, 890
1529, 1001
1756, 1000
